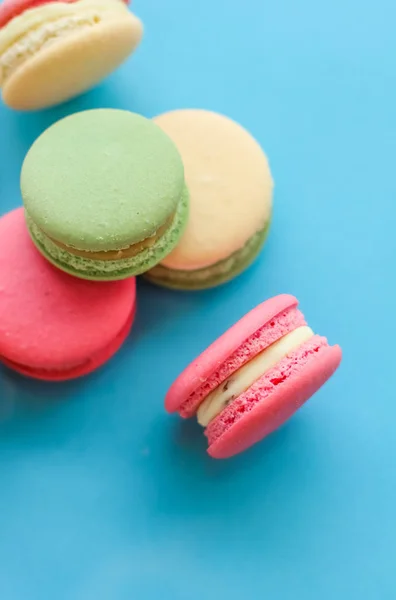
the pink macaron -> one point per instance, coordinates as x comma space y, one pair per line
53, 326
254, 377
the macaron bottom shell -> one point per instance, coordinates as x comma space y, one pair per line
80, 370
269, 410
214, 275
112, 270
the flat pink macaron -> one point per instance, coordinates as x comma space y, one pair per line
54, 326
10, 9
254, 377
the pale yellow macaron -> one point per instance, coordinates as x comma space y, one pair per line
53, 51
231, 188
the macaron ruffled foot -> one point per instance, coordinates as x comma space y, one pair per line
254, 377
51, 51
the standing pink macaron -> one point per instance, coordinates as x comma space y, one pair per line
254, 377
54, 326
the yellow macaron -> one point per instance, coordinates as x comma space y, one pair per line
231, 188
51, 51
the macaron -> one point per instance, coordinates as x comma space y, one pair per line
104, 194
51, 50
254, 377
231, 188
53, 326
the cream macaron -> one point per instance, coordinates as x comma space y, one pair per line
231, 188
51, 51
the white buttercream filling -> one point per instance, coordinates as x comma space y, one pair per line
247, 375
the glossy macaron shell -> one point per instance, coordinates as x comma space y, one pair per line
103, 181
53, 326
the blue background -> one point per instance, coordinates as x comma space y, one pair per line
105, 497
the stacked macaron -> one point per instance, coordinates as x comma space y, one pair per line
185, 199
105, 199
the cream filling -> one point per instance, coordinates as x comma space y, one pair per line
39, 27
247, 375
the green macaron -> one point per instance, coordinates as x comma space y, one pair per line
104, 194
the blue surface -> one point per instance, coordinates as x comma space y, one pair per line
102, 495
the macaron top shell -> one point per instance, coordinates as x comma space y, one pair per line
200, 370
230, 184
102, 180
49, 319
